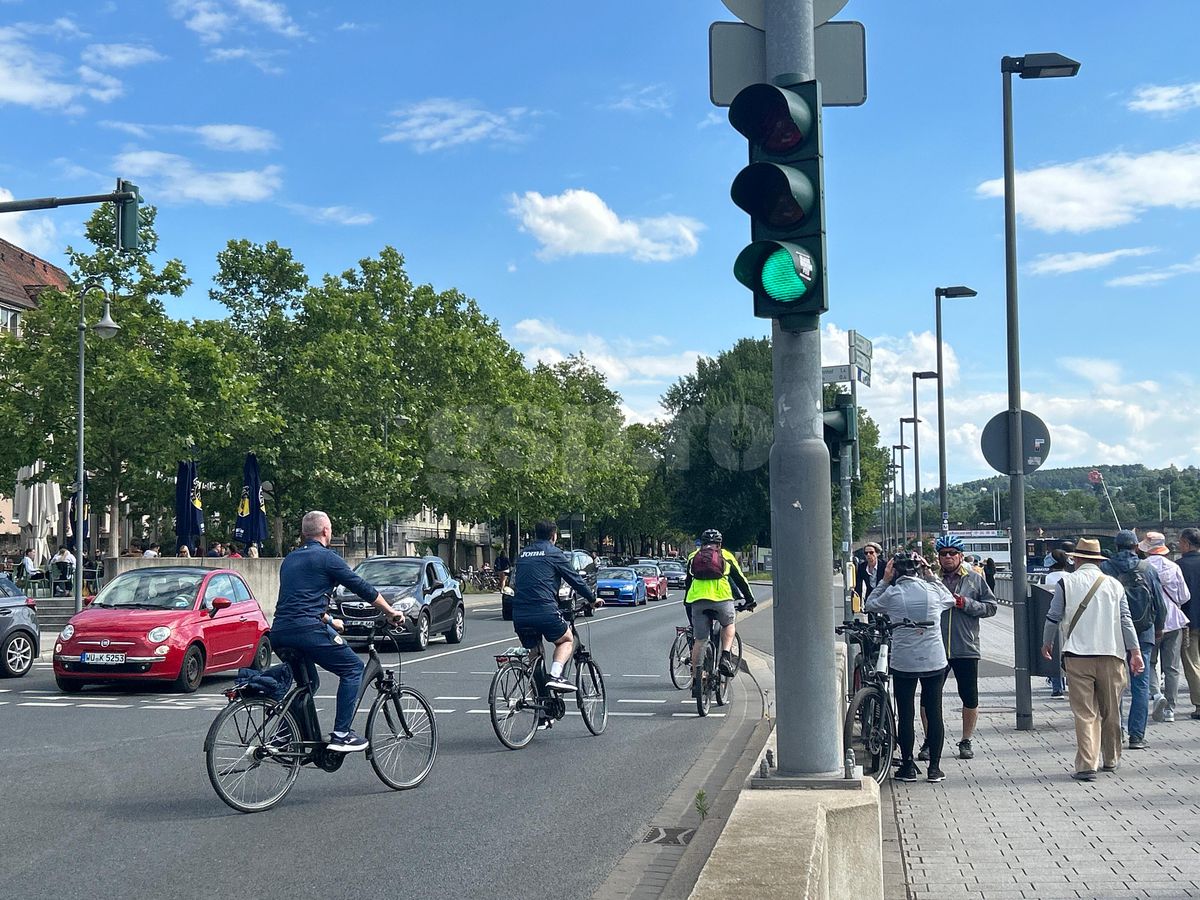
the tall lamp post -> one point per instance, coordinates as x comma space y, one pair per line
893, 521
902, 529
105, 328
1033, 65
938, 293
917, 376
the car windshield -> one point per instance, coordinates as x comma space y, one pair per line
670, 567
392, 572
151, 589
648, 571
616, 575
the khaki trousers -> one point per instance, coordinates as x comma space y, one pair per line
1095, 685
1191, 663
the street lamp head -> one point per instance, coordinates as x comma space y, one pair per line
1040, 65
924, 374
958, 290
909, 419
106, 327
899, 446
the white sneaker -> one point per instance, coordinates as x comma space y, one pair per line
1169, 716
1160, 708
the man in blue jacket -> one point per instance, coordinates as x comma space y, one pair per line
541, 568
302, 622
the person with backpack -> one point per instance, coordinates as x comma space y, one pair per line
1165, 661
712, 574
1148, 610
1091, 614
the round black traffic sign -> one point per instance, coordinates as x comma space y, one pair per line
1035, 442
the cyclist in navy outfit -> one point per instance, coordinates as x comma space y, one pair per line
302, 622
540, 570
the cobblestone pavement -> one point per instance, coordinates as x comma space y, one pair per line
1011, 823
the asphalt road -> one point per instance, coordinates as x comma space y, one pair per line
105, 792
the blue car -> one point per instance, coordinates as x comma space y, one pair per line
620, 586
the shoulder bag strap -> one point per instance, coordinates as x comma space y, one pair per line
1084, 605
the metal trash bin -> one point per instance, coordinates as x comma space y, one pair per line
1037, 606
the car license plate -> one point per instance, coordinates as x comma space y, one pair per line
102, 659
605, 593
359, 623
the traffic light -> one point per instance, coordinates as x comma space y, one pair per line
841, 429
127, 216
782, 190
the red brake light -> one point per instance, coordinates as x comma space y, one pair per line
31, 603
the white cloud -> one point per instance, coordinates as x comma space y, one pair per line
208, 19
263, 60
177, 178
1097, 371
1104, 191
646, 98
1156, 276
211, 20
119, 56
331, 215
100, 85
235, 137
34, 232
271, 15
1165, 98
712, 118
579, 222
29, 77
440, 122
1065, 263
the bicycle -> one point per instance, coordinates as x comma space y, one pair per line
256, 746
869, 729
679, 659
714, 685
518, 700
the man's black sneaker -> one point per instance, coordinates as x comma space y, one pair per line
347, 743
923, 753
1086, 775
964, 749
726, 666
560, 684
545, 724
907, 772
935, 774
1137, 742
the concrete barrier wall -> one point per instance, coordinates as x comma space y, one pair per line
262, 575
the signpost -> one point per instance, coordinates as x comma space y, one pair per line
1035, 440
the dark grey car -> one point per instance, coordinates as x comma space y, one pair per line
419, 587
20, 640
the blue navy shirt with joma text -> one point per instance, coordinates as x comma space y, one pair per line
307, 577
541, 568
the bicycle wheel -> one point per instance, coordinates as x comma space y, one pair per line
512, 702
708, 673
251, 759
591, 697
870, 731
402, 756
736, 652
679, 663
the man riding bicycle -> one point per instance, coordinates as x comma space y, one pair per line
306, 578
540, 570
712, 574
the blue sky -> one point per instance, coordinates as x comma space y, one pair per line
562, 164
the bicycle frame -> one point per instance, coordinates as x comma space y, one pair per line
534, 662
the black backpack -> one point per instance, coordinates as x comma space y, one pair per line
708, 563
1140, 596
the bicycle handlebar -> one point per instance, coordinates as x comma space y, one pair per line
881, 624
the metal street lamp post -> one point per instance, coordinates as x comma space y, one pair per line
938, 294
916, 376
902, 530
105, 328
1033, 65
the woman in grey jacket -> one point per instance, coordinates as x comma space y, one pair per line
918, 654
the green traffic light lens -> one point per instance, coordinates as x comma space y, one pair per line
780, 279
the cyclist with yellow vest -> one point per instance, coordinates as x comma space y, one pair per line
712, 573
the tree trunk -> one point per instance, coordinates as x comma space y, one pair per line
452, 562
514, 539
378, 540
114, 524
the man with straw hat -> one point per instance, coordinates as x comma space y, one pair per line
1090, 610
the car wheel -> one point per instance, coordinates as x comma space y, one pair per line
262, 654
455, 634
17, 654
68, 685
191, 670
420, 639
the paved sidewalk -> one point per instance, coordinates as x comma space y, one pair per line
1011, 823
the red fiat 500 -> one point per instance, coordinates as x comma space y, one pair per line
168, 623
656, 581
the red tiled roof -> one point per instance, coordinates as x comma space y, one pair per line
24, 276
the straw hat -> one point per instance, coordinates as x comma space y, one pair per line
1088, 548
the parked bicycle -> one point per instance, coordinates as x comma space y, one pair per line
679, 660
714, 685
870, 726
518, 699
255, 747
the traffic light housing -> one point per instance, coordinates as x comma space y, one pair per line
782, 189
841, 430
127, 215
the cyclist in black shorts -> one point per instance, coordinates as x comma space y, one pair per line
540, 570
973, 600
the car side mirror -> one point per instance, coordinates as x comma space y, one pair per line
218, 604
436, 586
87, 601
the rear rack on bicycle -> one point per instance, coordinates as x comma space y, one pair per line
512, 654
683, 629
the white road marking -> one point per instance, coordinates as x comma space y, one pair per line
457, 698
693, 715
105, 706
3, 703
436, 672
51, 705
641, 701
642, 714
445, 710
476, 711
166, 706
623, 675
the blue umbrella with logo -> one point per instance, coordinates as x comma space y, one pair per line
251, 525
189, 512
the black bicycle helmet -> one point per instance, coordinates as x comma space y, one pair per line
711, 536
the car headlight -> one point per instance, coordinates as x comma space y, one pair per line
405, 604
68, 632
159, 634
